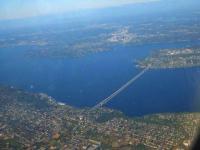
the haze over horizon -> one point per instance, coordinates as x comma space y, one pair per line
16, 9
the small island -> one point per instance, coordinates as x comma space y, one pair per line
172, 58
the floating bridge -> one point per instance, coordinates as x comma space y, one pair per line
108, 99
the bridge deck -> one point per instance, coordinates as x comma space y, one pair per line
103, 102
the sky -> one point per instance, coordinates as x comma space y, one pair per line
14, 9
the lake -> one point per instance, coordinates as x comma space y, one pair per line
85, 81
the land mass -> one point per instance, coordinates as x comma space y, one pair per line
37, 121
76, 39
172, 58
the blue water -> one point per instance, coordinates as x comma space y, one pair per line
85, 81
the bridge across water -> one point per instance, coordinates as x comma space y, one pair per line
108, 99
